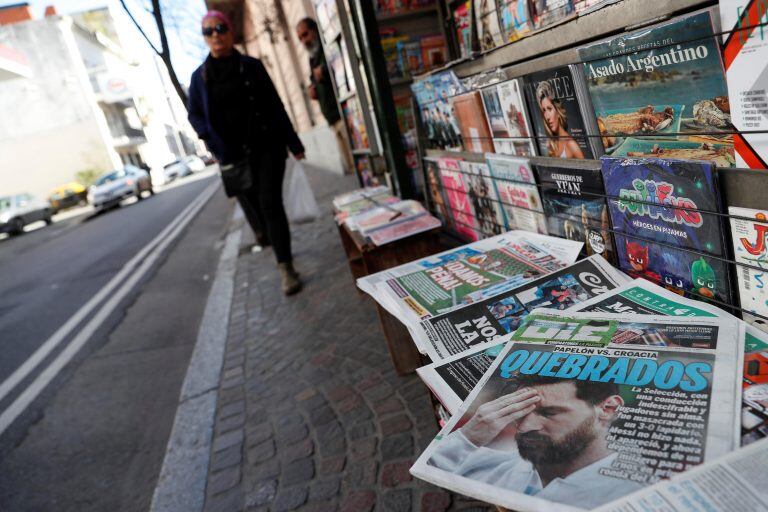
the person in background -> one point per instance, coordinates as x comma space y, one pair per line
234, 107
321, 88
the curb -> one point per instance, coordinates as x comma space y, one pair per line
182, 481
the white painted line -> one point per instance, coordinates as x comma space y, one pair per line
62, 332
47, 375
181, 484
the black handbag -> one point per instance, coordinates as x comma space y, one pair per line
237, 177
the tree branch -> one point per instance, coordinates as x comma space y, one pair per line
141, 30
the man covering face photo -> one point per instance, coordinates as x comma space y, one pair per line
542, 436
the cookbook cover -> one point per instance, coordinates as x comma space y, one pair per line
661, 92
556, 114
659, 200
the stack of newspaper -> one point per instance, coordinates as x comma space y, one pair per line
381, 217
606, 398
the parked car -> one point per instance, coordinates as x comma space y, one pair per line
195, 163
176, 169
208, 158
113, 187
22, 209
67, 196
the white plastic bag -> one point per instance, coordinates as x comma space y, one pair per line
300, 203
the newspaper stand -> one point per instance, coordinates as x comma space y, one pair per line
365, 258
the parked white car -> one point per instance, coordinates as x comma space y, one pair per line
113, 187
195, 163
175, 169
22, 209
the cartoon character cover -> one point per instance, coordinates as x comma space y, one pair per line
575, 207
638, 185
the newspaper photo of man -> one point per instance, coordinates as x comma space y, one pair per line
543, 436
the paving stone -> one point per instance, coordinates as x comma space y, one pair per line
361, 430
223, 480
397, 447
324, 490
228, 457
298, 472
229, 501
396, 501
321, 416
258, 433
332, 465
232, 409
362, 448
349, 403
306, 394
261, 452
290, 499
232, 372
325, 506
263, 494
298, 451
396, 473
292, 434
358, 501
233, 382
378, 392
231, 423
224, 441
435, 501
361, 474
388, 406
395, 425
264, 470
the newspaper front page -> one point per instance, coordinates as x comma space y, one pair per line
641, 297
470, 273
487, 320
580, 410
737, 482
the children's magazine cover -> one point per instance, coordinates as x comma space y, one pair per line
644, 196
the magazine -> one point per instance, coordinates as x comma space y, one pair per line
754, 406
432, 94
436, 198
651, 85
749, 239
517, 192
482, 195
411, 60
686, 184
514, 19
550, 12
487, 24
508, 118
745, 53
575, 206
733, 482
580, 410
457, 199
355, 123
480, 322
561, 113
399, 230
384, 215
436, 284
462, 21
433, 52
475, 135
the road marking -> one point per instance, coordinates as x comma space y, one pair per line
181, 484
144, 259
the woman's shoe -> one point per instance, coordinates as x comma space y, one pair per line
289, 278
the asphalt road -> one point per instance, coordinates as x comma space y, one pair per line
95, 438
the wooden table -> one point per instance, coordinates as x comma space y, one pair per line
365, 258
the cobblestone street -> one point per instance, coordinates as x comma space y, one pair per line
311, 415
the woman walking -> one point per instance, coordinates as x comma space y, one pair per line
234, 107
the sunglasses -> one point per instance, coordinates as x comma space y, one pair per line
219, 29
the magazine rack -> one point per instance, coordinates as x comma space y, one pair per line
364, 258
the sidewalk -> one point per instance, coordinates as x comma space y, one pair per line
310, 415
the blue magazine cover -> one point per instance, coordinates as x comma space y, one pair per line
644, 193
